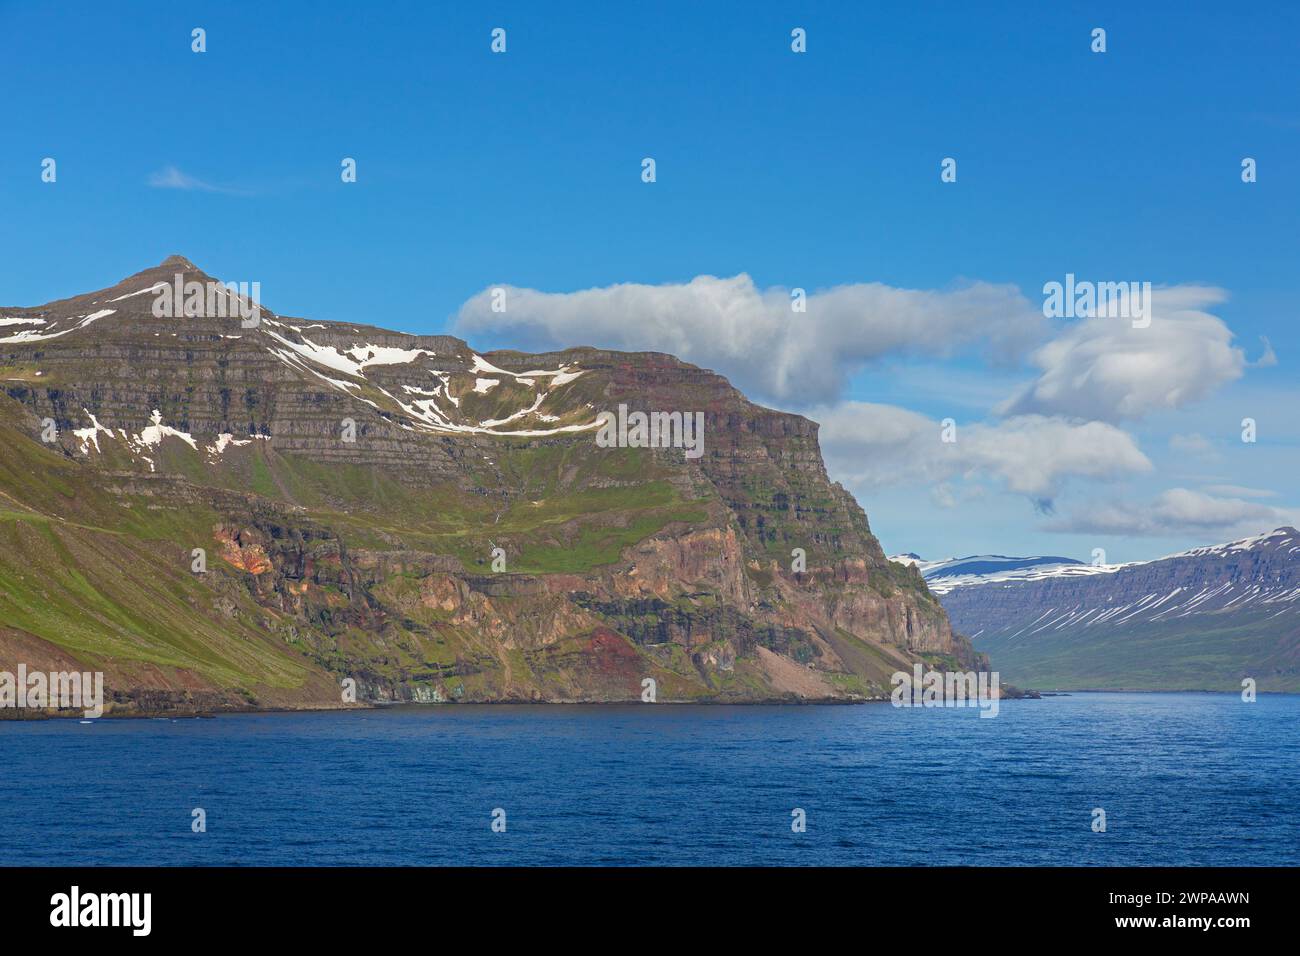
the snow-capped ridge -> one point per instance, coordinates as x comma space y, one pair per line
1283, 535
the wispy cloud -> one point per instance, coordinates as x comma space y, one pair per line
1269, 358
1178, 511
170, 177
1240, 491
1193, 443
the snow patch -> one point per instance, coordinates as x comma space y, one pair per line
152, 288
88, 436
225, 440
29, 335
155, 433
367, 355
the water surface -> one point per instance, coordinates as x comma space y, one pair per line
1183, 779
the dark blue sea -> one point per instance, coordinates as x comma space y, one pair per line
1182, 778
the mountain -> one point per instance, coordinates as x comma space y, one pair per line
1199, 620
942, 576
431, 522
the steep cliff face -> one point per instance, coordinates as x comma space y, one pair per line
433, 523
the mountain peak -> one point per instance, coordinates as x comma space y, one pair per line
164, 271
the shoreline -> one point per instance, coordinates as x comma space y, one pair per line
388, 705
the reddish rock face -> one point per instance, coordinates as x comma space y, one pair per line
243, 550
612, 653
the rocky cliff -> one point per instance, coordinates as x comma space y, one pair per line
223, 507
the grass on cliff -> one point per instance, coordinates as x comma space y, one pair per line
107, 597
552, 508
107, 577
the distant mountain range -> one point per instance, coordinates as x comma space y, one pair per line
943, 576
223, 510
1203, 619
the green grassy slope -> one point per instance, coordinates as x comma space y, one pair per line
1205, 652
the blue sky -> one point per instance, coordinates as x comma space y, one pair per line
817, 170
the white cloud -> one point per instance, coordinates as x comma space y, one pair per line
1178, 511
753, 337
1240, 491
1193, 443
877, 445
169, 177
1269, 357
1104, 368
